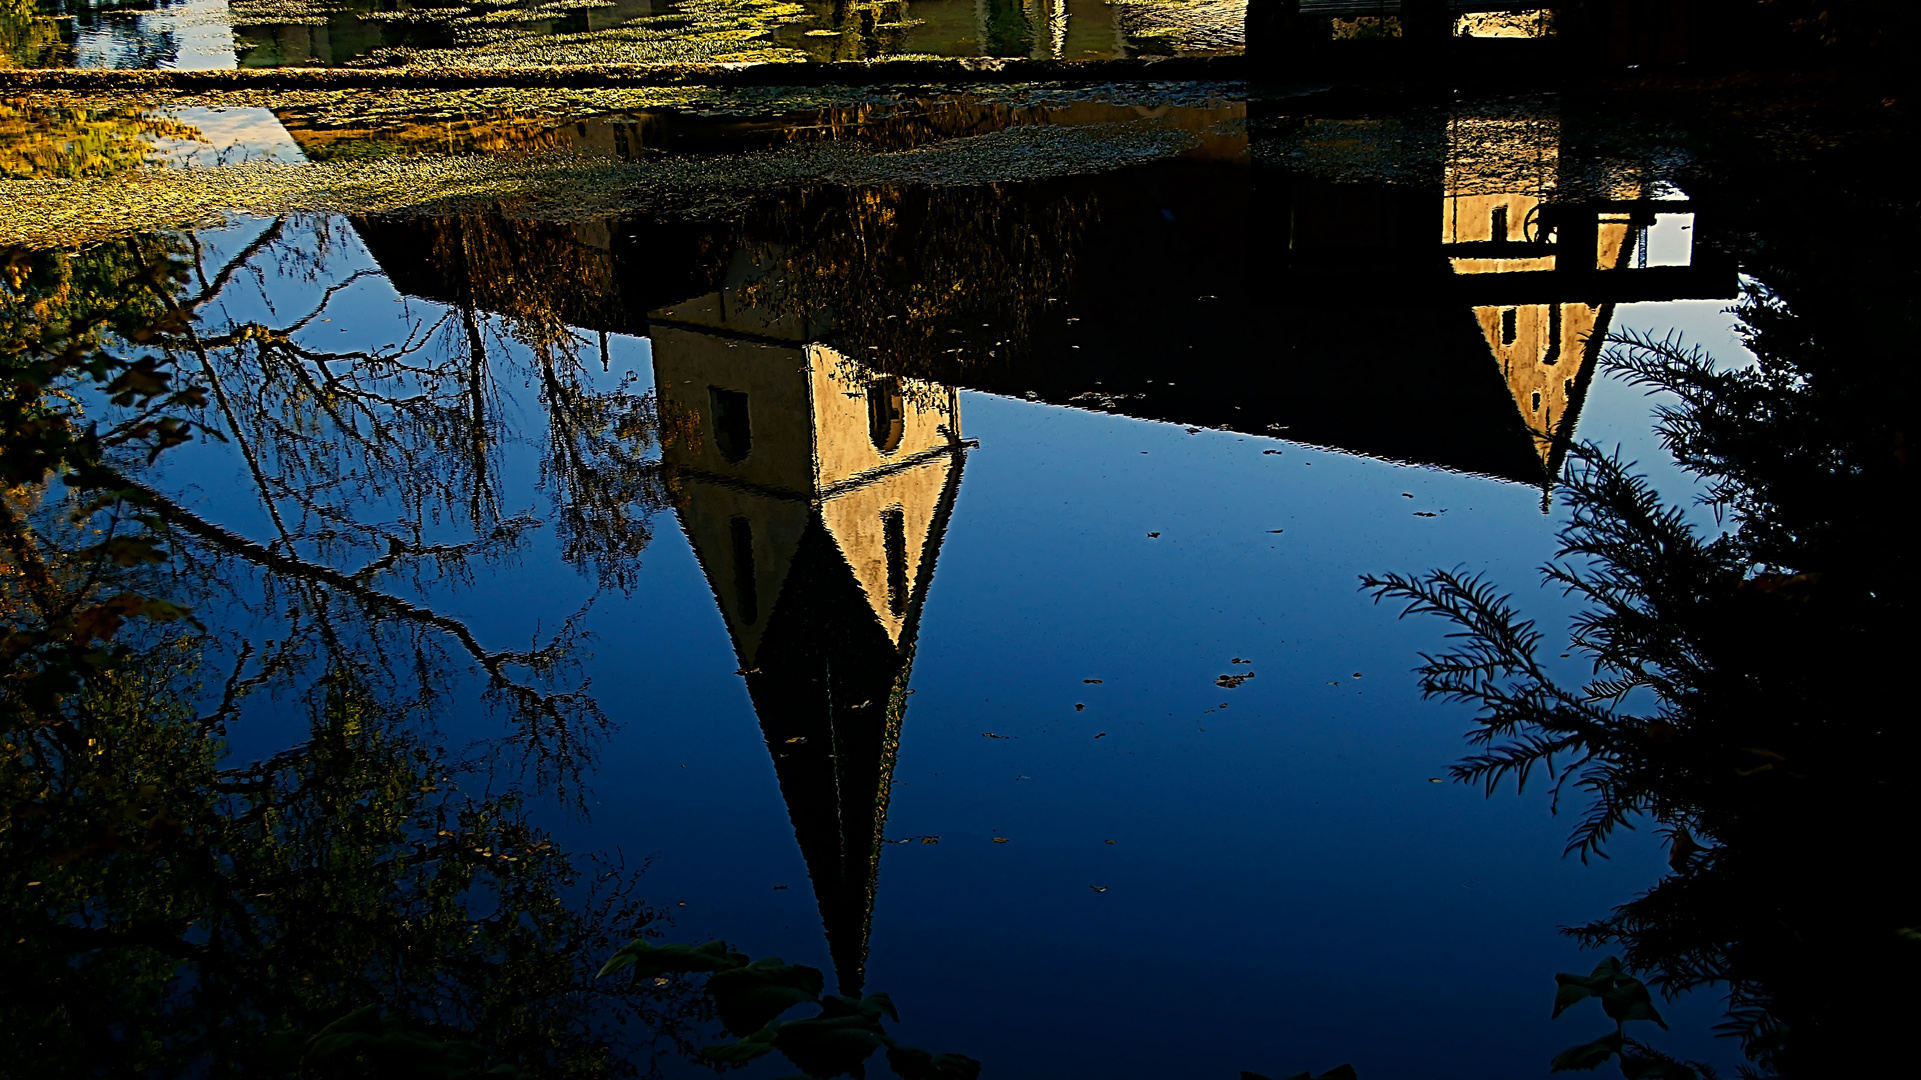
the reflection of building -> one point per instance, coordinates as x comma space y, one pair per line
815, 495
1297, 291
1500, 181
1539, 239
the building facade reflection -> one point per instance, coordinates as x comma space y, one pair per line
814, 491
1493, 222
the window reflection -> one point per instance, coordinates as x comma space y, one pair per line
733, 436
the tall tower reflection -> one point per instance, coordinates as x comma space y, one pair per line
815, 493
1501, 177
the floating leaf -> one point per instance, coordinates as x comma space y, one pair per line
749, 998
651, 960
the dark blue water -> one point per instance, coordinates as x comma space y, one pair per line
1139, 872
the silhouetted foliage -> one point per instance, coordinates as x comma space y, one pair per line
1741, 689
750, 996
356, 904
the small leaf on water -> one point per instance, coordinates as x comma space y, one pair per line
1000, 839
750, 998
650, 960
1098, 888
1573, 990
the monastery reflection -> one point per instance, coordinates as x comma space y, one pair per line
808, 380
815, 493
1285, 284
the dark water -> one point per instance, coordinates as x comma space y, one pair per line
952, 587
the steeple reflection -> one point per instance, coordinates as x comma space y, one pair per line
1501, 178
815, 493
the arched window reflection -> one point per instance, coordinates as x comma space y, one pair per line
886, 414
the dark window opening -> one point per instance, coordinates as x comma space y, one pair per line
886, 414
1510, 326
1537, 401
749, 599
1497, 225
732, 434
893, 527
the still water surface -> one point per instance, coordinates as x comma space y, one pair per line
966, 575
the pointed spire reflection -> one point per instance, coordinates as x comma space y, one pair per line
1502, 174
815, 494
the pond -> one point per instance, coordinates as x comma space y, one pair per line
917, 536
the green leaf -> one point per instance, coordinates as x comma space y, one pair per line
1623, 997
845, 1033
748, 998
1588, 1055
1573, 989
1626, 999
1609, 966
649, 961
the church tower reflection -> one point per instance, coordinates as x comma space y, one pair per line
815, 494
1501, 179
